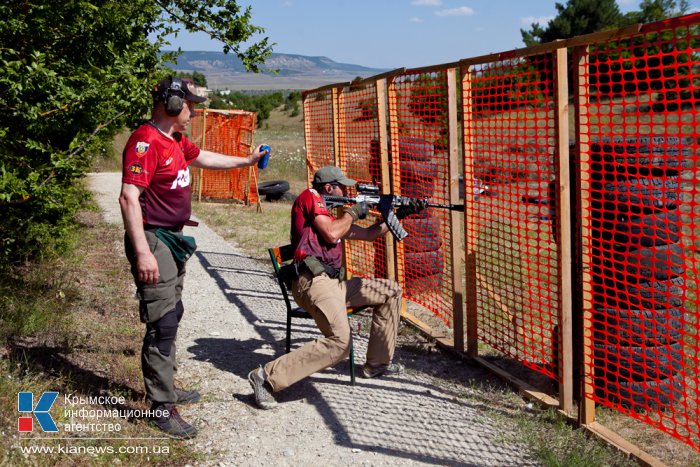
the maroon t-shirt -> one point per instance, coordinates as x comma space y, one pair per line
160, 164
305, 239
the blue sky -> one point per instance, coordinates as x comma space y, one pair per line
395, 33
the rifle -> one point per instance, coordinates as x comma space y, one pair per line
385, 204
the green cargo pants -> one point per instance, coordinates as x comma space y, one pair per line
160, 308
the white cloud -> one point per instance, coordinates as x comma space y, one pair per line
415, 20
627, 2
461, 11
542, 20
426, 2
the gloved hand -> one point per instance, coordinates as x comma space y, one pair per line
414, 207
358, 211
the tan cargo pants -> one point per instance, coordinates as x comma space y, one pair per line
327, 301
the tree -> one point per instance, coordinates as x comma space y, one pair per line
656, 10
198, 78
72, 73
576, 18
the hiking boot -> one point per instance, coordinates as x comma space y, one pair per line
169, 420
261, 389
186, 397
392, 369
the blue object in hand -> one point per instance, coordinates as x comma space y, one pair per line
262, 162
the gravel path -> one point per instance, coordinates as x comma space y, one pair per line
234, 321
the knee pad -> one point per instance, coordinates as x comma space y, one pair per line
179, 310
166, 330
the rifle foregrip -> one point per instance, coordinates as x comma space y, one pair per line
394, 225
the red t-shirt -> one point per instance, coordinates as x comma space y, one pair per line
305, 239
160, 164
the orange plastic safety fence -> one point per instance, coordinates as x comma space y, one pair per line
358, 156
318, 130
418, 104
231, 133
641, 201
510, 138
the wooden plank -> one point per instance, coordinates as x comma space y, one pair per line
523, 387
337, 104
587, 405
433, 68
307, 135
456, 221
383, 122
470, 237
548, 47
380, 76
339, 152
325, 87
395, 173
421, 326
622, 444
563, 221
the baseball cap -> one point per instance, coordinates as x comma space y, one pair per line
185, 86
330, 174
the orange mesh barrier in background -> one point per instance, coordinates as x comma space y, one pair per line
419, 153
318, 130
227, 132
358, 156
639, 156
631, 293
509, 128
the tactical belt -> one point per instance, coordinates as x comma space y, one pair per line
316, 267
172, 228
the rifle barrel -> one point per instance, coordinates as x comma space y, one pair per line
451, 207
347, 199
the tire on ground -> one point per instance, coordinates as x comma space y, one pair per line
646, 295
417, 243
638, 363
419, 285
421, 226
423, 234
645, 156
415, 149
425, 263
641, 395
644, 231
638, 327
640, 195
418, 178
658, 262
273, 189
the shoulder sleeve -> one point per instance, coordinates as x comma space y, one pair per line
140, 159
189, 149
313, 204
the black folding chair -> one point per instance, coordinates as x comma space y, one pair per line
281, 257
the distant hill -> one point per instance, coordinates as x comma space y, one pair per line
225, 71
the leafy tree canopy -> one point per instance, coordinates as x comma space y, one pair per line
579, 17
575, 18
74, 72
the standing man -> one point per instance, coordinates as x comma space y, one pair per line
155, 202
322, 291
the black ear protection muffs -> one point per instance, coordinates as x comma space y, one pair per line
174, 97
